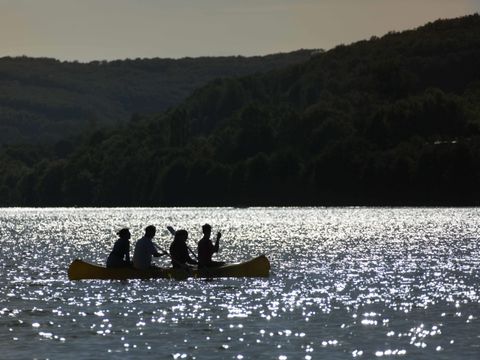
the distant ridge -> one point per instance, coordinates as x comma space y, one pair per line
45, 99
387, 121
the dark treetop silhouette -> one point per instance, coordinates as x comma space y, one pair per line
388, 121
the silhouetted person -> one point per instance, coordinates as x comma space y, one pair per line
120, 255
179, 250
206, 248
145, 249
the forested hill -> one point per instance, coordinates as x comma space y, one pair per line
388, 121
45, 99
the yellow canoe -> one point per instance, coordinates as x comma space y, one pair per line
82, 270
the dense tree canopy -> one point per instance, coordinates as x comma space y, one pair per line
46, 100
389, 121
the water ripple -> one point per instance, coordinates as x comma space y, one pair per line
345, 283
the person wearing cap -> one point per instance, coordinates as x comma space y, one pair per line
145, 249
120, 255
206, 248
179, 250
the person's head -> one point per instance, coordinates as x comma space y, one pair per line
124, 234
207, 229
150, 231
181, 235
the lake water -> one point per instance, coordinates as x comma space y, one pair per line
345, 283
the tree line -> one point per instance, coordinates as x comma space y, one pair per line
387, 121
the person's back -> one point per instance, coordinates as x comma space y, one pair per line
206, 248
205, 251
179, 250
120, 254
144, 250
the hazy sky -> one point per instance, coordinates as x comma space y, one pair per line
117, 29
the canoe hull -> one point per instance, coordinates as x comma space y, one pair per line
256, 267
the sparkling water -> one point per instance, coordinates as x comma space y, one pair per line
345, 283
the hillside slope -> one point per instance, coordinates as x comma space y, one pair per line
388, 121
46, 100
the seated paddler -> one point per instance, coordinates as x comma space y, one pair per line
145, 249
206, 248
179, 250
120, 255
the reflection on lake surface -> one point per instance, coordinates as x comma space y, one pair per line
345, 283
